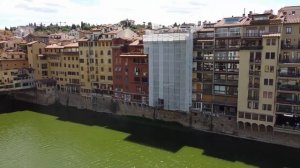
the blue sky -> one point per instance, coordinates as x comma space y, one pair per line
21, 12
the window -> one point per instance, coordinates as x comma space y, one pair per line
270, 95
268, 42
272, 55
249, 105
255, 105
241, 114
271, 82
109, 78
264, 107
262, 118
271, 68
102, 61
265, 94
273, 41
101, 52
219, 90
248, 115
267, 55
108, 52
269, 118
254, 116
266, 68
109, 61
266, 81
269, 107
102, 77
288, 30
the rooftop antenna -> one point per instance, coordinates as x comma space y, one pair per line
244, 12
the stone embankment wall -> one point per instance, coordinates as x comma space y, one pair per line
204, 122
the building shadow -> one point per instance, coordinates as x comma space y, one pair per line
173, 137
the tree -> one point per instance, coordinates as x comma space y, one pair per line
73, 26
175, 24
149, 25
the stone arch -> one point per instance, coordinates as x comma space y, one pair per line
255, 127
262, 128
241, 125
269, 128
247, 126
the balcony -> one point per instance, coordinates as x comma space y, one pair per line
203, 47
289, 75
287, 101
254, 73
228, 34
256, 61
226, 82
202, 70
196, 59
289, 88
284, 109
221, 46
197, 90
289, 61
289, 46
251, 47
254, 98
255, 85
71, 53
196, 80
225, 101
252, 35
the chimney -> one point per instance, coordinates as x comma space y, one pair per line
250, 13
199, 23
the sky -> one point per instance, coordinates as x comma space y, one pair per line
165, 12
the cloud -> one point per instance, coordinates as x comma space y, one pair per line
179, 10
54, 5
196, 3
36, 9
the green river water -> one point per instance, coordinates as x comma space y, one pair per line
54, 140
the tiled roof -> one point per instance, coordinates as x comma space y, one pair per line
71, 45
292, 19
54, 46
222, 23
32, 42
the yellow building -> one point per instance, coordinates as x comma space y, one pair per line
15, 72
35, 50
63, 66
96, 60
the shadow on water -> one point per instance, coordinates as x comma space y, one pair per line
172, 137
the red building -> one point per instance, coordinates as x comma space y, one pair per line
130, 71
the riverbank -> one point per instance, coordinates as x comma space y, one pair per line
219, 124
172, 137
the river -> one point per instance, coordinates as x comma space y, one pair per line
57, 137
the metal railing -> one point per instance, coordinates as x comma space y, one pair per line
251, 47
289, 47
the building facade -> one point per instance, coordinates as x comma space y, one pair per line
170, 69
130, 71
